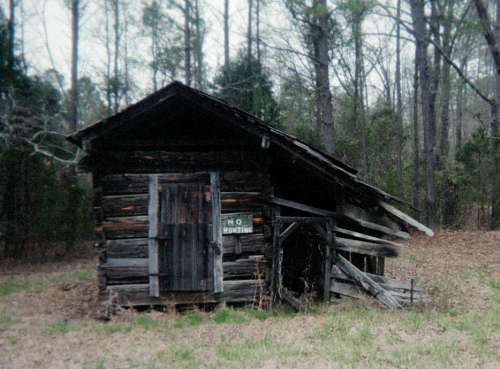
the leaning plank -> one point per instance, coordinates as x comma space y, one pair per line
377, 227
352, 290
293, 301
387, 283
347, 289
361, 247
367, 248
366, 282
288, 231
365, 236
406, 218
153, 252
299, 206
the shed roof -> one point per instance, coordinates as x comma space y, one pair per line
319, 161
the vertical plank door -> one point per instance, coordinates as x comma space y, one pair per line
185, 215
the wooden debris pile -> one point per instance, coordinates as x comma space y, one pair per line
390, 292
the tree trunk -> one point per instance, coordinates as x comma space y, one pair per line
322, 80
108, 59
444, 145
358, 106
126, 83
116, 68
492, 36
427, 101
461, 105
75, 28
187, 42
257, 29
249, 29
11, 35
226, 33
416, 143
399, 102
199, 47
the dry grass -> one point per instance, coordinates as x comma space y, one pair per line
46, 321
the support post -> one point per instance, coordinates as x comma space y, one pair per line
154, 283
329, 249
276, 262
218, 272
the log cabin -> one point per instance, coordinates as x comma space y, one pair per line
199, 202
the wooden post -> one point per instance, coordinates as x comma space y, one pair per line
154, 283
276, 265
329, 248
218, 272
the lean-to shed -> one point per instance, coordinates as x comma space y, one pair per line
197, 201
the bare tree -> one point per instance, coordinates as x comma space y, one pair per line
249, 29
226, 33
427, 102
399, 100
116, 62
75, 30
321, 32
491, 32
187, 42
11, 34
198, 42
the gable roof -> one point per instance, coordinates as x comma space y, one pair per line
322, 162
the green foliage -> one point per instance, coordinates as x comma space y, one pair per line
62, 327
11, 287
246, 84
147, 323
296, 105
192, 319
230, 316
7, 319
40, 204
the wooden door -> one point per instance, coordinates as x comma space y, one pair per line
184, 236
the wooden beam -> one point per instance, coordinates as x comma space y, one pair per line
293, 301
303, 220
406, 218
363, 280
299, 206
328, 213
367, 248
365, 236
376, 227
330, 225
153, 210
385, 282
360, 247
276, 265
218, 271
288, 231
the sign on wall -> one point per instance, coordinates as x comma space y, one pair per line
237, 223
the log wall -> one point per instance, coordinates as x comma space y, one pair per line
121, 207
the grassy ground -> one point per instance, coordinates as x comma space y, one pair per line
46, 322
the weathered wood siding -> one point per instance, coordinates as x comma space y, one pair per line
121, 208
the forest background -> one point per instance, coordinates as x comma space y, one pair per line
406, 91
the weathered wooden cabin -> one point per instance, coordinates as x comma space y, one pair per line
197, 201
